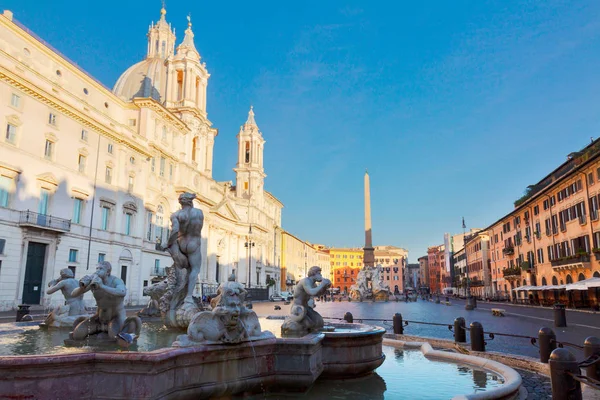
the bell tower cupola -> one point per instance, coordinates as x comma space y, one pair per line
187, 77
249, 171
161, 38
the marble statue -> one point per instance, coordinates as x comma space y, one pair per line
303, 318
177, 304
155, 292
370, 285
110, 319
65, 315
229, 322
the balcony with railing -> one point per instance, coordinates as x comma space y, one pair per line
476, 283
525, 266
44, 221
580, 260
159, 271
509, 250
511, 273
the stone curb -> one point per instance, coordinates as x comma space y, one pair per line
537, 307
512, 360
512, 379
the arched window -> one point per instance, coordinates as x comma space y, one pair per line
198, 98
247, 152
179, 85
544, 282
159, 223
569, 279
596, 274
163, 49
581, 277
194, 148
554, 280
524, 282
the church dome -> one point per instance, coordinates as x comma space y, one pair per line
147, 78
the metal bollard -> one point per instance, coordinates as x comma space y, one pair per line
563, 385
591, 347
547, 341
437, 300
560, 316
477, 339
398, 324
460, 333
348, 318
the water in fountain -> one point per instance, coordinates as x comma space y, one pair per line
262, 386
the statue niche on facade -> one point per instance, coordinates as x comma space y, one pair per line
303, 318
177, 304
229, 322
110, 319
64, 316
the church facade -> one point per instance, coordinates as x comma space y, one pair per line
88, 173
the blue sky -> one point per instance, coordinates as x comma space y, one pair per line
454, 107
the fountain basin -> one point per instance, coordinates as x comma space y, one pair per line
352, 350
279, 364
275, 365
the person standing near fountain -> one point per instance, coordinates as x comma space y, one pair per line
303, 318
109, 292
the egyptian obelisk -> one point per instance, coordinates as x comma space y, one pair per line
369, 251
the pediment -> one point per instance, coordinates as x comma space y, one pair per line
48, 178
226, 209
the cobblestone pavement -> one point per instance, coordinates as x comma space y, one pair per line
538, 386
523, 321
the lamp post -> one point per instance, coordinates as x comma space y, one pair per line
249, 245
471, 301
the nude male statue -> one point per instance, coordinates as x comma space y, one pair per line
109, 292
185, 240
66, 284
302, 317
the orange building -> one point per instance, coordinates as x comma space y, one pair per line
478, 264
552, 237
435, 257
345, 264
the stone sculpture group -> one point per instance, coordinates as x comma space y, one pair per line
229, 322
110, 320
64, 316
303, 318
176, 302
369, 285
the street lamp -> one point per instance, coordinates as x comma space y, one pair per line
471, 301
249, 245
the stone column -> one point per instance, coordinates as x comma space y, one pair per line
369, 251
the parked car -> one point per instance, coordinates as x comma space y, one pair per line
287, 296
276, 297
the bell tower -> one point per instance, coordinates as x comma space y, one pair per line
187, 78
249, 172
161, 38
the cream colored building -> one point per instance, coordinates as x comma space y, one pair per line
74, 153
293, 260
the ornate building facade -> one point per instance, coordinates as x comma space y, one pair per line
88, 173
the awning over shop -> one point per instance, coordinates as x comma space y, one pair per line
526, 287
585, 284
534, 288
551, 287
